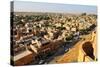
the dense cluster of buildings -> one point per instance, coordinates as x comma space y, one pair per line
44, 33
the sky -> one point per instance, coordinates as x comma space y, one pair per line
23, 6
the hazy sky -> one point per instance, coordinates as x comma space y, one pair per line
21, 6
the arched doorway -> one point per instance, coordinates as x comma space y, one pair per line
88, 49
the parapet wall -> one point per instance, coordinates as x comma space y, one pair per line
88, 50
